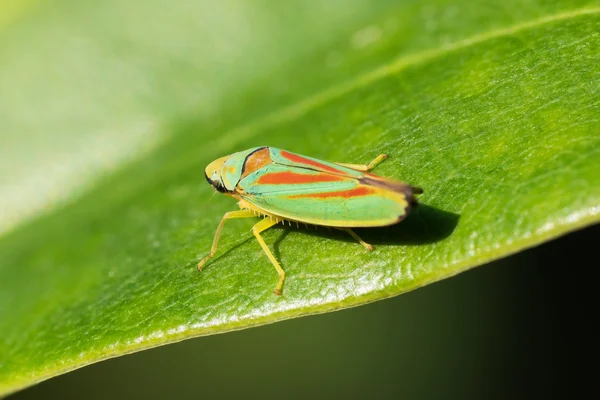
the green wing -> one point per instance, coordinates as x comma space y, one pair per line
330, 195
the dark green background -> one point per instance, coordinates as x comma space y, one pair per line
517, 328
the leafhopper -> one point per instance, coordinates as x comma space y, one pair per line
282, 186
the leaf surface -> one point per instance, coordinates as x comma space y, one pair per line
494, 113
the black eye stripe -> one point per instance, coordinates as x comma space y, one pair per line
219, 187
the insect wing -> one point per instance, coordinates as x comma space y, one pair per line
290, 159
333, 198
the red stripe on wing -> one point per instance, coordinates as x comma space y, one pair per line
299, 159
359, 191
286, 178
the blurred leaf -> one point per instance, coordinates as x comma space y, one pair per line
112, 112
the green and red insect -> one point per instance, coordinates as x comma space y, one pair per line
283, 186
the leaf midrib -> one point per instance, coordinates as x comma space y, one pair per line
302, 107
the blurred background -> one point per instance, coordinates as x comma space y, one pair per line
521, 327
89, 87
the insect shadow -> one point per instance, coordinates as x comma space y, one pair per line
425, 224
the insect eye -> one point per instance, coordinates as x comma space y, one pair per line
219, 186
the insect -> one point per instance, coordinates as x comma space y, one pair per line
282, 186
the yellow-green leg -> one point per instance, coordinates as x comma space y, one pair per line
366, 168
358, 239
257, 229
228, 215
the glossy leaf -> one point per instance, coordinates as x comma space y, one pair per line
111, 114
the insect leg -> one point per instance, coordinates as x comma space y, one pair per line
365, 168
257, 229
228, 215
355, 236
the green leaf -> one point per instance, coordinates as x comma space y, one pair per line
109, 114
